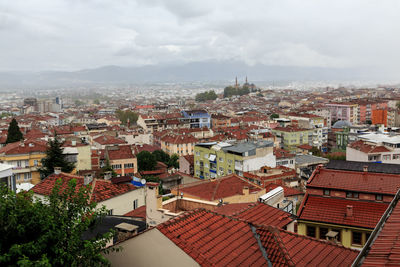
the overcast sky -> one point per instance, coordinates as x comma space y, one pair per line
76, 34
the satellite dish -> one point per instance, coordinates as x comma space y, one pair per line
143, 181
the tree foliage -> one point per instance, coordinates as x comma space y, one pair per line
124, 116
55, 158
14, 133
50, 232
107, 168
231, 91
274, 116
146, 161
171, 161
209, 95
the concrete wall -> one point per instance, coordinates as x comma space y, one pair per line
124, 203
150, 248
355, 155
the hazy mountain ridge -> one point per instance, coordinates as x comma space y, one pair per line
197, 71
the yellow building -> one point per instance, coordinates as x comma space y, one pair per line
181, 145
26, 157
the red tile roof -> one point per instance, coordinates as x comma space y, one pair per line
263, 214
119, 152
333, 210
281, 153
138, 213
291, 249
217, 240
25, 147
103, 189
108, 140
305, 146
382, 183
367, 148
385, 250
231, 209
220, 188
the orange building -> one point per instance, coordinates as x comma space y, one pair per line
379, 116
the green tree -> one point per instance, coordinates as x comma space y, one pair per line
124, 116
161, 156
174, 161
96, 101
146, 161
274, 116
49, 233
209, 95
14, 133
55, 158
107, 168
315, 151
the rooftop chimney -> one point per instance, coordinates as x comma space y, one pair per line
365, 168
57, 170
246, 190
349, 211
107, 175
88, 178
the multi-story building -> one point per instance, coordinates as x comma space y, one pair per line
219, 120
315, 123
344, 111
367, 108
291, 137
375, 147
178, 144
26, 157
345, 206
213, 160
197, 118
122, 160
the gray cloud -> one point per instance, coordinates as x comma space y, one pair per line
73, 34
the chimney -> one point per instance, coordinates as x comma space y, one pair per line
365, 168
349, 211
57, 170
22, 144
107, 175
246, 190
73, 142
87, 179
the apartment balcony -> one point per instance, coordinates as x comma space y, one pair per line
238, 166
23, 169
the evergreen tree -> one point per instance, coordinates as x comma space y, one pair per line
146, 161
55, 158
14, 133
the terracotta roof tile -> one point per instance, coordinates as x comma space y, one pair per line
355, 181
333, 210
220, 188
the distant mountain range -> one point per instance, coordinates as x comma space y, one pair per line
197, 71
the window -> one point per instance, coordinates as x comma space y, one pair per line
27, 176
396, 156
221, 169
327, 192
356, 238
229, 171
197, 162
110, 212
310, 231
116, 166
322, 232
19, 163
35, 162
135, 204
379, 197
221, 159
128, 165
351, 194
386, 157
206, 156
197, 153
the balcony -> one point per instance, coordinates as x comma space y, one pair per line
23, 169
238, 165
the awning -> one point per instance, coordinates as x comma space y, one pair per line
212, 157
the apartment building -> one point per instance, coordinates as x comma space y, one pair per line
347, 210
344, 111
375, 147
26, 157
214, 159
197, 118
292, 136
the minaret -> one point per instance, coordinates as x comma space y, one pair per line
246, 79
236, 83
